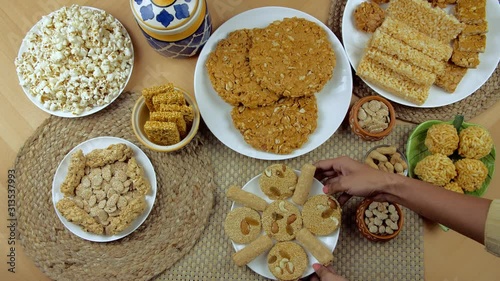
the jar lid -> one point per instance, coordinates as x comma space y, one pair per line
164, 15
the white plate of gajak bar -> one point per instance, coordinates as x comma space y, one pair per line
104, 189
419, 55
280, 223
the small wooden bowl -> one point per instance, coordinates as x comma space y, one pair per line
358, 130
363, 228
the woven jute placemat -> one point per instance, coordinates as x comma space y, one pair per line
482, 99
355, 257
184, 202
183, 237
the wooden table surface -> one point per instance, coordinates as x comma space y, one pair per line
448, 256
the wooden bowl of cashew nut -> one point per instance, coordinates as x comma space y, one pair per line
372, 118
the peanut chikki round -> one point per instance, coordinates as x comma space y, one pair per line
279, 128
230, 73
322, 214
242, 225
292, 57
287, 260
281, 220
278, 181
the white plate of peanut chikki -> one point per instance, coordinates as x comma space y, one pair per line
327, 112
104, 189
370, 52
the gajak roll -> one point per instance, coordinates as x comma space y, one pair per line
246, 198
315, 246
304, 184
252, 250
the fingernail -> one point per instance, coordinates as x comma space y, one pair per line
316, 266
325, 189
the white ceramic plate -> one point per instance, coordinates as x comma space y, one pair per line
355, 41
333, 101
67, 114
259, 264
86, 147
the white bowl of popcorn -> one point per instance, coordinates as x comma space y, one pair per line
75, 61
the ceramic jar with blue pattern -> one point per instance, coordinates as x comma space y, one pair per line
174, 28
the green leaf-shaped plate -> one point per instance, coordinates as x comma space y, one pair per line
416, 151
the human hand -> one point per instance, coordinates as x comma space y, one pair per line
325, 274
346, 175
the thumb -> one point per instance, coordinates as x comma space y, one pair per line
322, 271
326, 274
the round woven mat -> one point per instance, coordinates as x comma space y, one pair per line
178, 218
487, 95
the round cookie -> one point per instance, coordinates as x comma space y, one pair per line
281, 220
292, 57
322, 214
278, 181
230, 74
287, 260
242, 225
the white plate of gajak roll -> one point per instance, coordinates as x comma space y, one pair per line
280, 223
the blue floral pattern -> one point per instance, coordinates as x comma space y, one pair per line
184, 48
165, 18
159, 17
181, 11
147, 12
170, 17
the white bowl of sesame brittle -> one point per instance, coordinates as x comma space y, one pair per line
104, 206
161, 137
